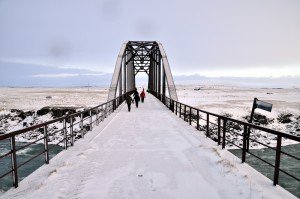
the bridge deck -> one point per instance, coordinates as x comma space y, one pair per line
147, 153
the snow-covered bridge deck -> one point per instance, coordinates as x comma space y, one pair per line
145, 153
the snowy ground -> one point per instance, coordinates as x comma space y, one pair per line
236, 102
35, 98
147, 153
19, 106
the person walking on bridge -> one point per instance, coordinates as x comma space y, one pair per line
136, 97
143, 95
128, 101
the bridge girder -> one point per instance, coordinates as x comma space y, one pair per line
142, 56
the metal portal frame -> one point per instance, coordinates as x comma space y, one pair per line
142, 56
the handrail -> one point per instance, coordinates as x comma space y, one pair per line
17, 132
188, 116
98, 113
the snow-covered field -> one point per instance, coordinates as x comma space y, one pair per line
19, 106
36, 98
236, 102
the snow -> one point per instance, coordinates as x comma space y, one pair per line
36, 98
237, 101
146, 153
222, 99
33, 99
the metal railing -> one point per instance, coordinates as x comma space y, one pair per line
87, 119
217, 127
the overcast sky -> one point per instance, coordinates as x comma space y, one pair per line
208, 37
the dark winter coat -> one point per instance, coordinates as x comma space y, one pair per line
128, 99
136, 97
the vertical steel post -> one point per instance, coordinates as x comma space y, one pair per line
46, 148
120, 82
176, 107
190, 116
159, 75
224, 133
65, 134
244, 144
180, 110
150, 80
172, 105
207, 125
219, 130
97, 116
163, 80
277, 160
14, 161
105, 110
155, 77
91, 121
197, 119
71, 131
184, 117
251, 120
81, 125
102, 114
113, 105
125, 73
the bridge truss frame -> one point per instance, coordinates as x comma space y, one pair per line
142, 56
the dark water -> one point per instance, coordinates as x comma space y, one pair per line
22, 156
290, 165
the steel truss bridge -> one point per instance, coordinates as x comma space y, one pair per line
142, 56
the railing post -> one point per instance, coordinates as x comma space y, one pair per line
65, 133
14, 161
184, 116
248, 139
81, 125
176, 107
71, 131
97, 116
197, 119
207, 125
277, 160
172, 105
190, 115
244, 144
113, 105
102, 114
180, 110
91, 120
219, 130
106, 110
46, 148
224, 133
